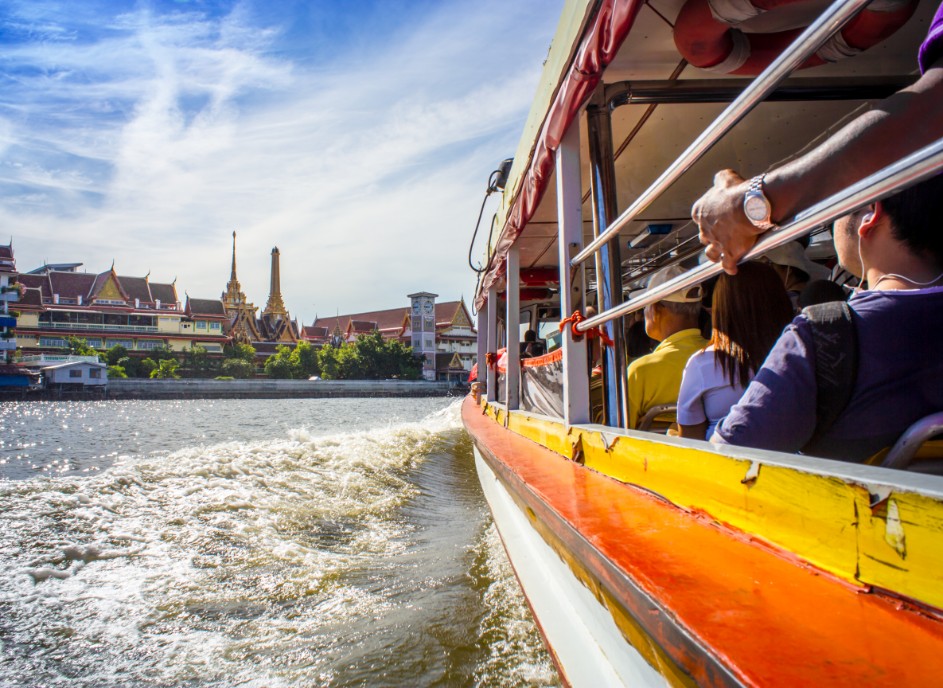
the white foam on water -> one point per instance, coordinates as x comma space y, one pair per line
224, 565
508, 629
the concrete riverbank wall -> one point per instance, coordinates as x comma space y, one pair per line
240, 389
274, 389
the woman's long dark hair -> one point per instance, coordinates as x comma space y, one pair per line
748, 313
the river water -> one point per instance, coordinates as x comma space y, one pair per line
334, 542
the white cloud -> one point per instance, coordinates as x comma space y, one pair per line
366, 172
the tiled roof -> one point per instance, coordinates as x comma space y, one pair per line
364, 325
206, 307
165, 293
32, 297
390, 319
136, 288
71, 285
39, 282
314, 332
6, 252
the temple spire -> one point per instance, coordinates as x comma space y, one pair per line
275, 305
232, 274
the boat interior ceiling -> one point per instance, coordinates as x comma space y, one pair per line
647, 137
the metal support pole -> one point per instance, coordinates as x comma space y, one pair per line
608, 260
576, 408
513, 376
482, 344
492, 343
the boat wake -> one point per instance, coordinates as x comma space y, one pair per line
290, 561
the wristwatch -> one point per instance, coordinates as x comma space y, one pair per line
756, 205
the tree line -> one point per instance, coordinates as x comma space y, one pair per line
370, 357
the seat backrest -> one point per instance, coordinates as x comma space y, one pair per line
907, 448
663, 413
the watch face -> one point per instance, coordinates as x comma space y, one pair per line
756, 208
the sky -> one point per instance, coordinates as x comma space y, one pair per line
357, 136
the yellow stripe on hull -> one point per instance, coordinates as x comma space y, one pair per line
826, 520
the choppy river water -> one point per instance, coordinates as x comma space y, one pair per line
252, 543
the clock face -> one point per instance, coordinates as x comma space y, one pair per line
427, 307
416, 307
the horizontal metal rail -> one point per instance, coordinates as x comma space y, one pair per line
817, 33
807, 90
905, 172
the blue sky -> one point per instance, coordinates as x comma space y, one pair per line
355, 135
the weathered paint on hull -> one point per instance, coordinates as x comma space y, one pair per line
870, 527
701, 602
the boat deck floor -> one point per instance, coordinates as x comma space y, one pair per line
723, 607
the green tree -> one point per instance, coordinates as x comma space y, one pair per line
117, 371
198, 362
163, 352
237, 368
114, 355
279, 364
147, 367
166, 369
245, 352
79, 347
304, 360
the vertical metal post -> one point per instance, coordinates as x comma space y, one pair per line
482, 344
608, 259
513, 320
576, 408
491, 344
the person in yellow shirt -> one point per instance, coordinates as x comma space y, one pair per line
654, 379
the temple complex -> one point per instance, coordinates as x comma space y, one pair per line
274, 326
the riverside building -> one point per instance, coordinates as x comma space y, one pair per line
441, 332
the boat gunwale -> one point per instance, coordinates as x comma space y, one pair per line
864, 475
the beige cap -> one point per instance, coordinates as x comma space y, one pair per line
689, 295
793, 255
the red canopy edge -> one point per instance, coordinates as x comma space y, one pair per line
598, 48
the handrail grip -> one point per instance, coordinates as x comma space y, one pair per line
909, 170
819, 31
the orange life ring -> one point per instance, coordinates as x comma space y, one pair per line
707, 34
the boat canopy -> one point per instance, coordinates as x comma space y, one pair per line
674, 125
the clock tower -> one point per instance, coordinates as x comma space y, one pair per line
422, 326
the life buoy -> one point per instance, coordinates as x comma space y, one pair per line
707, 34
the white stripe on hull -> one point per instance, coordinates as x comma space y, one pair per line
582, 634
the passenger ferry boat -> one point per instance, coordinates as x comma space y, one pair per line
649, 559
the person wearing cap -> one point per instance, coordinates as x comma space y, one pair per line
654, 379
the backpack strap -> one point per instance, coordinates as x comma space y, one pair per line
836, 362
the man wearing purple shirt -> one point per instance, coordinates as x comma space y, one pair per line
895, 127
896, 247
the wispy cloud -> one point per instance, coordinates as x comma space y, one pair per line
150, 135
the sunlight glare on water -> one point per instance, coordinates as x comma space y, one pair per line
252, 543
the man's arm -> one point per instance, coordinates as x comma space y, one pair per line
905, 122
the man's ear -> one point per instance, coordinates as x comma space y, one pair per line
873, 214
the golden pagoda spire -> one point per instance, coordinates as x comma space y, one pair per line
233, 295
275, 305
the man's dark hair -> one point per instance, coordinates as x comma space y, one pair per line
916, 214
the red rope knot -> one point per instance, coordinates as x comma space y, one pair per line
573, 321
594, 333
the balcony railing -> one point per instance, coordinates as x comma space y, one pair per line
95, 327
